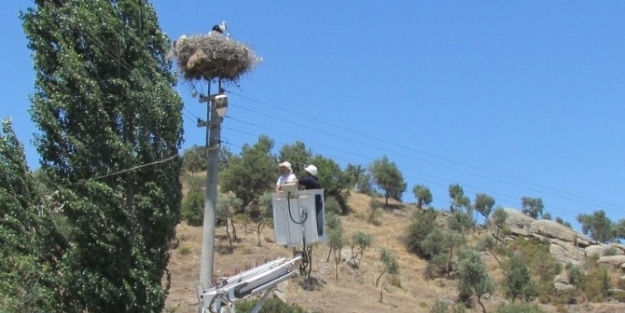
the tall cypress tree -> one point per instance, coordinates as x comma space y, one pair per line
110, 130
29, 244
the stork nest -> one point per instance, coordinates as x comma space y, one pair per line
212, 57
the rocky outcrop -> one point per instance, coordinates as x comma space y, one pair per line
612, 260
517, 223
601, 249
554, 230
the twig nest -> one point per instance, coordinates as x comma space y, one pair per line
212, 57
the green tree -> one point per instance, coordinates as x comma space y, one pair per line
333, 222
484, 204
532, 207
560, 221
442, 242
419, 228
193, 207
423, 195
598, 226
461, 221
252, 173
298, 155
110, 128
473, 277
458, 199
388, 178
359, 241
389, 266
226, 204
336, 240
547, 216
194, 159
517, 280
499, 219
489, 244
334, 183
358, 178
29, 242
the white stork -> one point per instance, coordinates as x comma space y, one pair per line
218, 29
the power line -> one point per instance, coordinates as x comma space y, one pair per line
578, 197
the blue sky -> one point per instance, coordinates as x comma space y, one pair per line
508, 98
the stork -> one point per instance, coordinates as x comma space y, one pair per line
218, 29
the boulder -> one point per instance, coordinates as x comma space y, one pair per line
601, 249
566, 252
517, 222
612, 260
561, 287
556, 230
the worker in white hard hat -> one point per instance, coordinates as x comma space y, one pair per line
310, 180
286, 175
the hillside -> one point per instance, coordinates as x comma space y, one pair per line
355, 290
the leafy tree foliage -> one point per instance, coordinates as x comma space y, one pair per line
441, 244
499, 219
484, 204
518, 308
358, 178
336, 240
193, 207
559, 220
298, 155
458, 199
532, 207
359, 241
252, 173
598, 226
271, 305
518, 281
333, 181
473, 277
30, 246
495, 248
423, 195
110, 130
388, 178
419, 228
460, 221
389, 266
194, 159
547, 216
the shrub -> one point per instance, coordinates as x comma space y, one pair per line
270, 306
193, 207
184, 250
421, 226
518, 308
332, 205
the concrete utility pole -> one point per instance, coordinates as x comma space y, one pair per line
216, 109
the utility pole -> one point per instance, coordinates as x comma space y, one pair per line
216, 109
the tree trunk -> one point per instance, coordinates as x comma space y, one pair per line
234, 230
381, 274
479, 300
261, 225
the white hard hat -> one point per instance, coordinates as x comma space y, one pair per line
311, 169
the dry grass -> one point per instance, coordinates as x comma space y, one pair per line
355, 289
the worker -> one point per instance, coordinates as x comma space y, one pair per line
310, 180
286, 176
